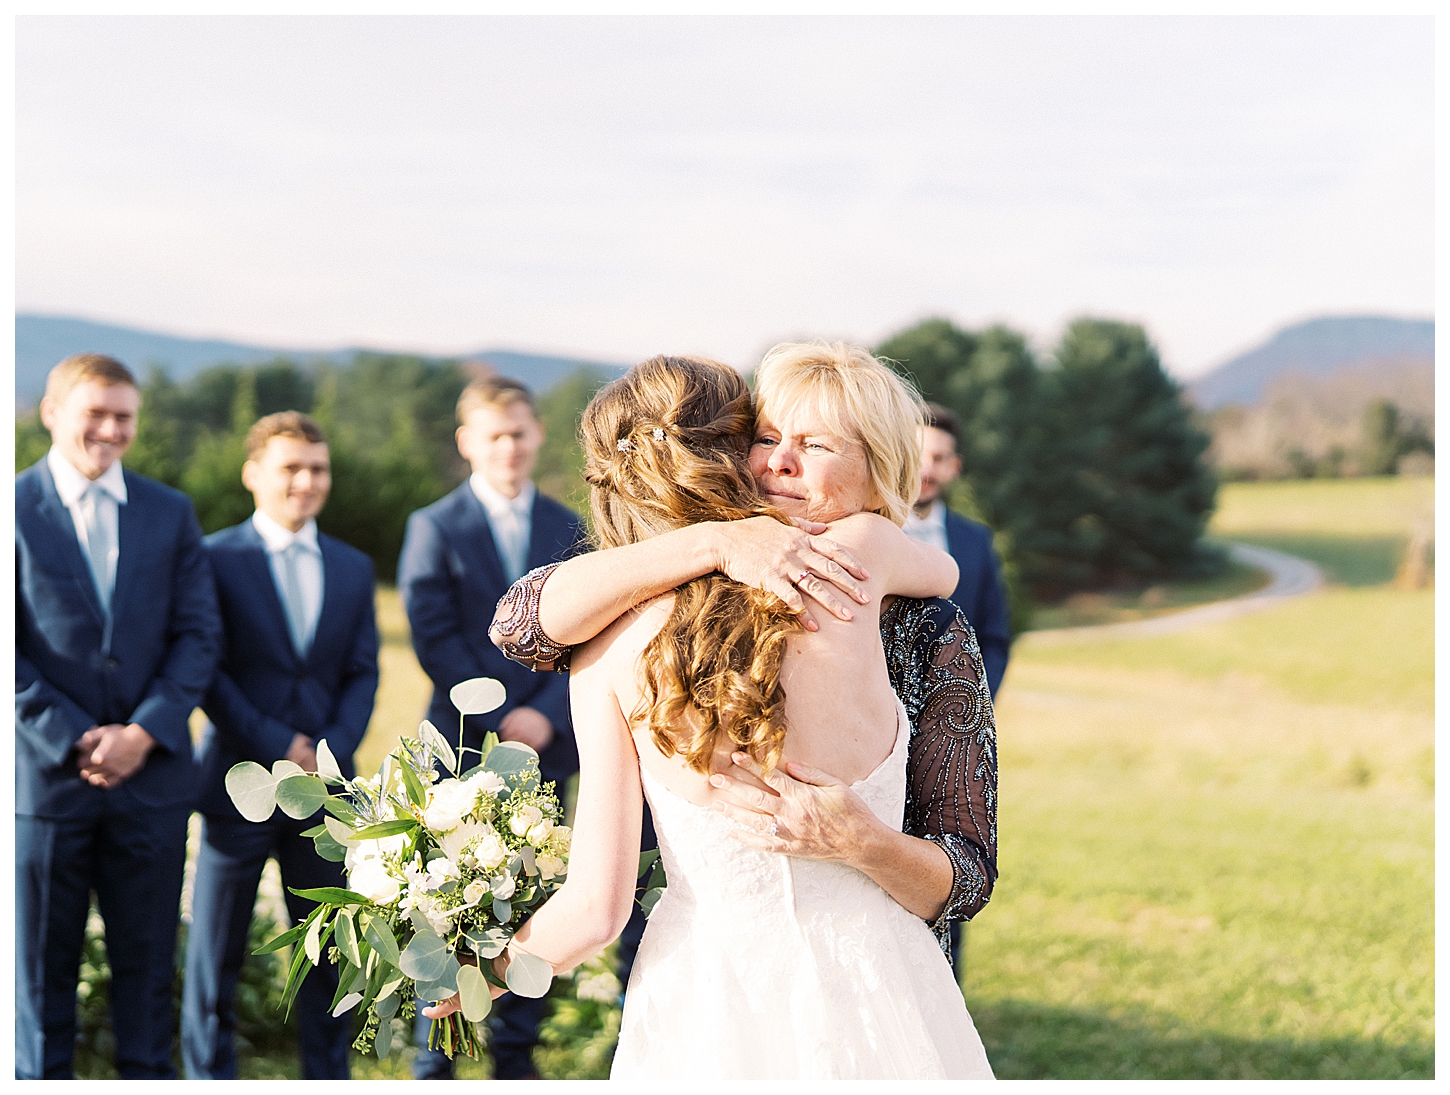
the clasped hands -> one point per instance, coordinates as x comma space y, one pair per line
792, 561
109, 755
798, 810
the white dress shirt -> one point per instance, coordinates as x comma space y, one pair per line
511, 522
71, 485
309, 568
931, 529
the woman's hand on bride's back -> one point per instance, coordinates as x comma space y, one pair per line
793, 562
811, 814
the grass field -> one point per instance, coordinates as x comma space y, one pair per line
1217, 847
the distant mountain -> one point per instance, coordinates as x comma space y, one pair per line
1317, 348
41, 341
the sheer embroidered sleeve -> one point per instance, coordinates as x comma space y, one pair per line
951, 794
516, 631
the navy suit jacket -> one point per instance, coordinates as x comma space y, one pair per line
165, 636
980, 593
263, 692
451, 580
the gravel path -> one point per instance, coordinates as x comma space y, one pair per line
1290, 576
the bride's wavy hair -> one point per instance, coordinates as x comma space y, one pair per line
665, 446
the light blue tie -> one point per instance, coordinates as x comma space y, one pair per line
292, 597
98, 544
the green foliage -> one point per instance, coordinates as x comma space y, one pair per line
1386, 437
560, 470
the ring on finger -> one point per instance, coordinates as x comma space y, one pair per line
774, 826
804, 575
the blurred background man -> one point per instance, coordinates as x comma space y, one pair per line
116, 636
299, 664
459, 557
980, 593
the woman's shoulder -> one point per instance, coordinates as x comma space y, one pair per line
625, 639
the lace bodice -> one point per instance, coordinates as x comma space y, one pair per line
936, 669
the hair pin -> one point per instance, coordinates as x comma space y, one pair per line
623, 444
659, 434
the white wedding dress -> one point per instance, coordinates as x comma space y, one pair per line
759, 966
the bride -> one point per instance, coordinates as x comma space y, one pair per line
754, 964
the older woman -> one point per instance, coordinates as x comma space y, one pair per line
943, 865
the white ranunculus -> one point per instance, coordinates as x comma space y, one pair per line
448, 803
525, 819
371, 879
373, 849
441, 870
504, 886
490, 783
540, 832
549, 866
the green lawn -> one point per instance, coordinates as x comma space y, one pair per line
1217, 847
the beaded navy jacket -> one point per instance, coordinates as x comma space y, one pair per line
936, 668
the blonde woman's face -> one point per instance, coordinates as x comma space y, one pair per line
806, 470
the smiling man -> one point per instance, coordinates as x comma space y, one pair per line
116, 637
299, 665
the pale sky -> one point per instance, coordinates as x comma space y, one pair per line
618, 187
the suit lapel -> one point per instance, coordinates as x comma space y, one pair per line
259, 570
477, 539
63, 531
331, 617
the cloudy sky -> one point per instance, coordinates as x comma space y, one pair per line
614, 187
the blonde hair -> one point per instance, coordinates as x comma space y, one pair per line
78, 368
667, 445
493, 391
859, 398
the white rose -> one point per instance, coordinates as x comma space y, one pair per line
540, 832
525, 819
371, 879
373, 849
489, 852
504, 886
447, 804
473, 891
549, 866
563, 834
489, 783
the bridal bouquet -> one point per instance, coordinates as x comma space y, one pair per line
441, 871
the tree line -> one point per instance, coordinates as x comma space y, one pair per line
1086, 465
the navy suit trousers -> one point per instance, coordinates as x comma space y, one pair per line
228, 871
133, 857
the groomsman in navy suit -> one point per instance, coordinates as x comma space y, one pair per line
459, 557
116, 637
980, 593
299, 664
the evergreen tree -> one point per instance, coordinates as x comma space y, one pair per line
1137, 493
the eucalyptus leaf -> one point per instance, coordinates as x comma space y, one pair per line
314, 832
477, 696
527, 855
253, 790
528, 975
388, 991
425, 958
650, 899
327, 766
343, 834
347, 1003
488, 943
283, 768
510, 758
388, 1005
473, 994
379, 935
502, 911
429, 735
384, 1040
338, 807
301, 796
329, 849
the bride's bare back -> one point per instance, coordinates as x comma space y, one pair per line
840, 708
